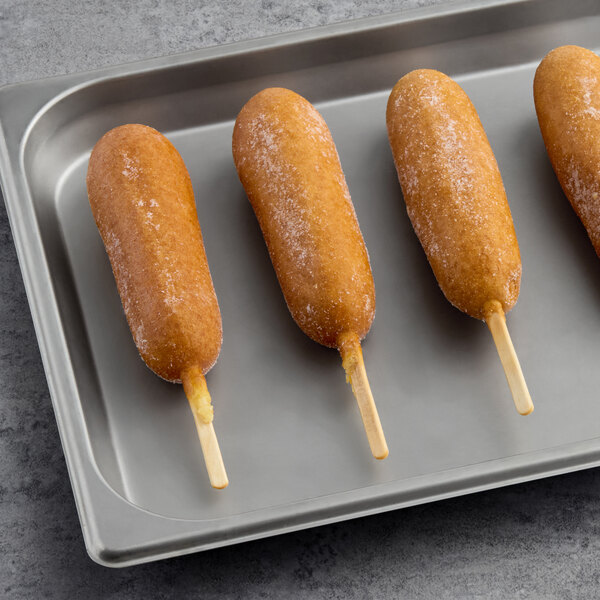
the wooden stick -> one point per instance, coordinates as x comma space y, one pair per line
197, 394
356, 375
496, 321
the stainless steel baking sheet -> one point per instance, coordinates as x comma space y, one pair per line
288, 425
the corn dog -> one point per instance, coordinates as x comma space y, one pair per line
288, 164
143, 203
456, 202
566, 91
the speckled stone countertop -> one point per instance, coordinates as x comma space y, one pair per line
536, 540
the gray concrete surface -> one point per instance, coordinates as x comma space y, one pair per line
537, 540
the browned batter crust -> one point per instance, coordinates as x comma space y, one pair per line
142, 199
290, 169
453, 191
566, 90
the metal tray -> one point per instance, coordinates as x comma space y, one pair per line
288, 425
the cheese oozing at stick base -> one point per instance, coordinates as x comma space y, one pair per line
289, 166
456, 202
566, 90
143, 203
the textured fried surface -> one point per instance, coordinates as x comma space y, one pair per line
290, 169
142, 199
453, 191
567, 101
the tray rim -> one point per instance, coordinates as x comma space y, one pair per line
93, 495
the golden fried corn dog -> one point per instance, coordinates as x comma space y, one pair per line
566, 91
456, 202
143, 203
290, 169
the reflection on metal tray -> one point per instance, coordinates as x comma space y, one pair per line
289, 428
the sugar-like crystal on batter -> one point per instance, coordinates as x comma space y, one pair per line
287, 160
453, 190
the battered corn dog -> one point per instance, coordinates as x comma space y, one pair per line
456, 202
143, 203
290, 169
566, 91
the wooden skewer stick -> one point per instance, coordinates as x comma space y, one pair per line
197, 394
356, 375
496, 321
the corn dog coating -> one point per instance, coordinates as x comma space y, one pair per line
289, 166
566, 91
143, 203
453, 191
